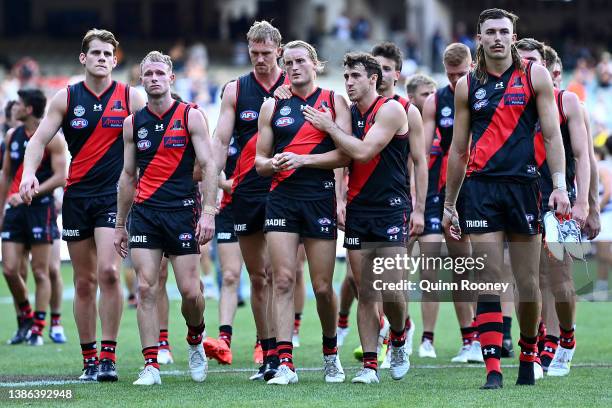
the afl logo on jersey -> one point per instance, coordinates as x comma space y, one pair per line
481, 104
79, 111
324, 221
185, 236
249, 115
232, 151
79, 123
143, 145
481, 93
282, 122
14, 146
142, 133
285, 110
393, 230
446, 111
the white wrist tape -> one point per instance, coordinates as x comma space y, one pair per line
559, 181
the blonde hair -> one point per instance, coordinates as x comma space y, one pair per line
97, 34
456, 54
261, 31
156, 56
417, 80
312, 53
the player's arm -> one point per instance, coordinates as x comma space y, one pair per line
606, 182
197, 171
593, 222
264, 162
328, 160
5, 174
580, 147
390, 119
208, 186
417, 151
57, 152
549, 121
137, 100
225, 126
458, 156
429, 121
127, 187
36, 146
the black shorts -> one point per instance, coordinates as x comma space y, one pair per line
224, 226
81, 215
391, 229
490, 206
434, 208
29, 225
249, 214
308, 218
172, 231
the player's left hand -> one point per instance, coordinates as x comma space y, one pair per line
592, 225
321, 119
205, 228
289, 161
14, 200
450, 222
580, 213
417, 223
283, 92
121, 241
559, 202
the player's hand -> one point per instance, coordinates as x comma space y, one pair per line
580, 213
592, 226
417, 223
450, 222
340, 214
14, 200
283, 92
28, 188
559, 202
321, 119
289, 161
121, 241
205, 228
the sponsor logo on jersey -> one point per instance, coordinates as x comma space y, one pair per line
79, 123
393, 230
446, 122
395, 201
224, 235
143, 145
14, 146
139, 239
159, 127
285, 110
481, 104
351, 241
177, 125
285, 121
71, 233
117, 106
142, 133
514, 99
175, 141
477, 223
499, 85
232, 151
328, 184
276, 222
188, 202
446, 111
518, 82
248, 115
324, 221
79, 110
240, 227
37, 230
531, 169
481, 93
185, 236
97, 107
112, 122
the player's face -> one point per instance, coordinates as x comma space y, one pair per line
14, 113
556, 72
421, 94
300, 68
496, 37
100, 58
156, 78
357, 82
264, 56
454, 74
390, 75
20, 111
533, 55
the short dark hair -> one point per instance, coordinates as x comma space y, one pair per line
495, 14
551, 56
8, 108
102, 35
34, 98
531, 44
352, 59
389, 50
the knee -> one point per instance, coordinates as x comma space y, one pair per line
85, 286
322, 290
191, 295
10, 271
564, 292
284, 282
528, 289
108, 276
259, 281
147, 292
230, 278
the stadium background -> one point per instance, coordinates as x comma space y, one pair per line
39, 46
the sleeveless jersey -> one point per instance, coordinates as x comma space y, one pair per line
438, 160
165, 158
546, 182
17, 146
233, 152
378, 186
93, 128
445, 114
250, 95
503, 117
293, 133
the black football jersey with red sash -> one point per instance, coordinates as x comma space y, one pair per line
250, 95
503, 119
165, 158
93, 128
443, 137
378, 186
293, 133
233, 152
546, 182
438, 161
17, 146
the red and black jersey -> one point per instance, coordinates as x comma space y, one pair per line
438, 160
250, 95
405, 102
93, 128
445, 116
378, 186
165, 158
17, 146
293, 133
233, 152
546, 182
503, 117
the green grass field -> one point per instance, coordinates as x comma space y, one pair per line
429, 382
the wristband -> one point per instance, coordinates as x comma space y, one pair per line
559, 181
209, 209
